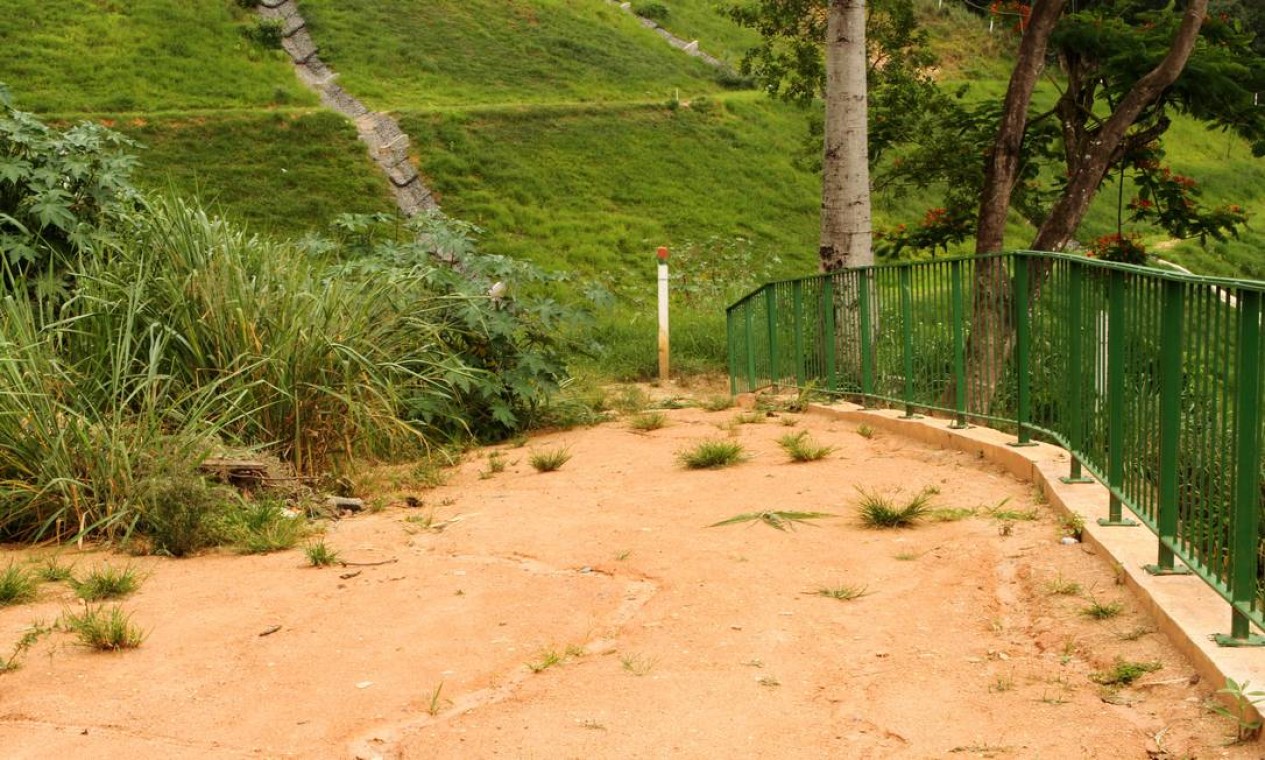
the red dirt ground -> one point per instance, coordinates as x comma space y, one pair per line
673, 639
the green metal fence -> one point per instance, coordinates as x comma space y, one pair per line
1152, 380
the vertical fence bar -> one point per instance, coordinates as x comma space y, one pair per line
770, 308
797, 301
865, 286
1115, 397
907, 335
959, 347
1075, 375
1023, 350
1247, 495
748, 309
730, 341
1172, 316
828, 331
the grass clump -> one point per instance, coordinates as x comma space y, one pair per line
263, 527
637, 664
842, 592
1124, 672
320, 555
1061, 586
780, 520
802, 448
712, 455
16, 586
949, 514
1097, 610
105, 630
717, 403
106, 582
881, 511
496, 465
51, 570
646, 422
865, 431
550, 460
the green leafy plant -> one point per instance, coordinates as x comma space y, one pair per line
781, 520
105, 630
320, 555
550, 460
712, 455
106, 582
1240, 711
263, 527
51, 570
1124, 672
882, 511
802, 448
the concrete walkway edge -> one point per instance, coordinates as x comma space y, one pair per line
1184, 607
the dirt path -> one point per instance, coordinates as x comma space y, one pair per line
672, 639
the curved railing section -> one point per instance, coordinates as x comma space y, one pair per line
1150, 379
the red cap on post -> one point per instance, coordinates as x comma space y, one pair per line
663, 253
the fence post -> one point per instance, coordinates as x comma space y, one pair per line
1172, 309
959, 347
907, 337
747, 311
770, 314
865, 285
797, 301
1115, 398
1245, 522
1023, 351
828, 330
1075, 359
731, 340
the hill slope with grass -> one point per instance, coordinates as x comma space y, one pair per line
571, 133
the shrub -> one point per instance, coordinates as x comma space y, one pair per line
655, 11
105, 630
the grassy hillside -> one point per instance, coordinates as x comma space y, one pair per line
397, 54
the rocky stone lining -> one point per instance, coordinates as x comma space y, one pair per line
387, 143
689, 48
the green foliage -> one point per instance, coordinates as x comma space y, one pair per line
1124, 673
264, 527
648, 421
265, 32
106, 582
51, 570
180, 513
320, 555
104, 630
1097, 610
16, 586
1243, 702
549, 460
883, 512
801, 448
651, 9
30, 637
61, 194
712, 455
842, 592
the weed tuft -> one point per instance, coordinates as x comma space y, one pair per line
712, 455
718, 403
16, 586
637, 664
265, 527
550, 460
53, 571
842, 592
648, 421
882, 512
320, 555
1124, 673
104, 630
865, 431
1061, 586
774, 519
1097, 610
106, 583
801, 448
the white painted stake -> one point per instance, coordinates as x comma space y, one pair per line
663, 314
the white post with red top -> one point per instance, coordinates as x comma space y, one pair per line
663, 314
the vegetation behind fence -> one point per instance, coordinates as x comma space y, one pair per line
1152, 380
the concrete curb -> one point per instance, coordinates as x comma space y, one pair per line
1184, 607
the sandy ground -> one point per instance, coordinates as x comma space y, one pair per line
672, 638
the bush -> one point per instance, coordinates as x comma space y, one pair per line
180, 513
265, 32
655, 11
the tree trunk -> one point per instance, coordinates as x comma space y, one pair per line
845, 196
1066, 216
991, 319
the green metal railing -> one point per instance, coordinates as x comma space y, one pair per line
1150, 379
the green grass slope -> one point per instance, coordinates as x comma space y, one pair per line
113, 56
590, 191
398, 54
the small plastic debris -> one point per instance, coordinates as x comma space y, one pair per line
364, 684
1068, 540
